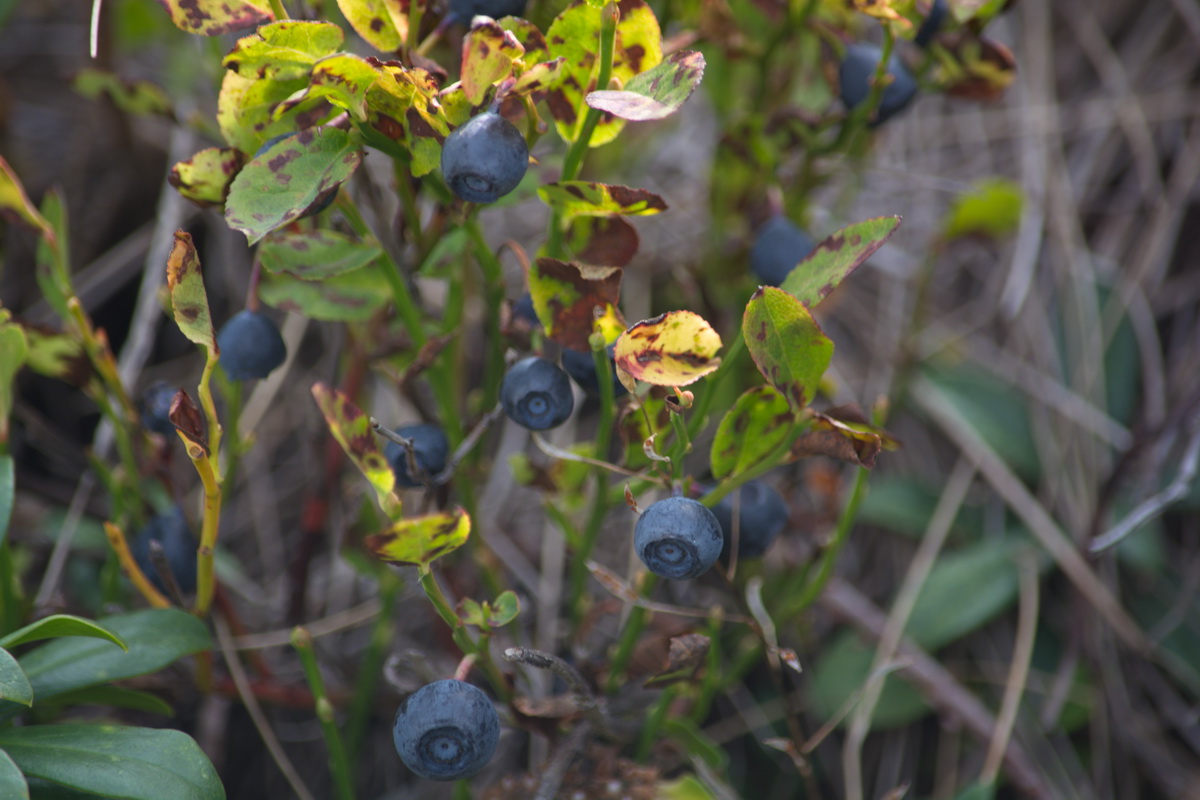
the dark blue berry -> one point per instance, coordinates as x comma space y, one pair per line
430, 449
931, 25
536, 394
485, 158
466, 10
523, 310
446, 730
171, 531
677, 538
251, 346
779, 246
156, 407
856, 71
762, 514
580, 366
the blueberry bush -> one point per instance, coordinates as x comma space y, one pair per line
417, 425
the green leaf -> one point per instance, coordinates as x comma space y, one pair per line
672, 349
12, 780
688, 787
290, 179
379, 22
57, 355
205, 177
837, 256
189, 301
352, 429
403, 110
571, 298
842, 669
58, 625
977, 791
15, 205
315, 255
284, 50
134, 97
115, 761
696, 742
53, 257
786, 343
488, 52
216, 17
505, 609
13, 349
575, 36
349, 297
343, 80
7, 494
155, 637
14, 684
759, 422
991, 208
582, 198
421, 540
246, 110
656, 93
115, 696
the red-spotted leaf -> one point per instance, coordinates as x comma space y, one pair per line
759, 421
15, 206
284, 50
343, 80
657, 92
570, 299
488, 52
352, 429
315, 255
383, 24
349, 297
585, 199
837, 256
541, 77
672, 349
421, 540
575, 35
827, 436
246, 110
216, 17
189, 301
403, 110
290, 179
786, 343
602, 241
205, 177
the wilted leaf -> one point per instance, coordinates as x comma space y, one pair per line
672, 349
837, 256
787, 345
246, 110
349, 297
189, 424
216, 17
488, 52
342, 80
581, 198
991, 208
759, 421
134, 97
566, 296
403, 109
383, 24
575, 35
205, 177
314, 255
284, 50
602, 241
189, 301
421, 540
827, 436
290, 179
352, 429
657, 92
15, 206
686, 654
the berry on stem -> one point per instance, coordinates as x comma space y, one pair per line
446, 730
170, 530
762, 514
251, 345
431, 448
582, 367
779, 246
156, 407
536, 394
857, 70
485, 158
677, 538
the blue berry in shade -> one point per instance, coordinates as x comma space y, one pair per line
466, 10
762, 514
580, 366
171, 531
251, 346
677, 538
446, 730
523, 310
485, 158
536, 394
156, 407
779, 246
856, 71
932, 24
430, 449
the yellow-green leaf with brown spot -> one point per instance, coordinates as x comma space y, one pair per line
216, 17
787, 345
572, 299
672, 349
205, 177
836, 257
352, 429
284, 50
585, 199
189, 301
488, 52
421, 540
759, 421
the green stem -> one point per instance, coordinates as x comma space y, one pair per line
654, 721
461, 635
339, 765
704, 401
813, 588
629, 636
205, 575
278, 10
493, 292
681, 447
